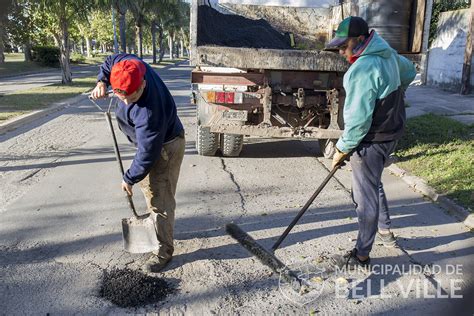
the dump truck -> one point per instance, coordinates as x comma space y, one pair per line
260, 67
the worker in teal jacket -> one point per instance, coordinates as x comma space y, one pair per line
374, 120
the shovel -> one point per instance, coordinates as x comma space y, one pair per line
138, 231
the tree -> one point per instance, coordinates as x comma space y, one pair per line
158, 17
62, 13
4, 8
139, 9
170, 17
121, 6
102, 28
86, 31
19, 25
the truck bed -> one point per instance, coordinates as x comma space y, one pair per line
272, 59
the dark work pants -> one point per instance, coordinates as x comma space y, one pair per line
367, 164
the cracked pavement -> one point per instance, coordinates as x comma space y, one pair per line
61, 207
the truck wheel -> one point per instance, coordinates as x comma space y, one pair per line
327, 147
231, 145
206, 142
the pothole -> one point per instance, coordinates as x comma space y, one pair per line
130, 288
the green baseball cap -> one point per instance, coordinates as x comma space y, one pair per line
352, 26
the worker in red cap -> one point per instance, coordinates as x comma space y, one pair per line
147, 115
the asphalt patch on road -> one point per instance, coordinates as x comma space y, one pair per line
130, 288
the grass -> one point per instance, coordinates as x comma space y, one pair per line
441, 150
16, 65
25, 101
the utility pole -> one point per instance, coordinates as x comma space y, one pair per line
466, 68
115, 31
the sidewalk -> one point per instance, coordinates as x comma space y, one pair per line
425, 99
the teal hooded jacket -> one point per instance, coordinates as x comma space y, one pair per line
374, 109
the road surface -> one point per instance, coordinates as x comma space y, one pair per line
61, 207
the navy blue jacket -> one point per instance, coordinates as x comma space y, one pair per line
148, 123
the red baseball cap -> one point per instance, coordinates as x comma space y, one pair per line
127, 76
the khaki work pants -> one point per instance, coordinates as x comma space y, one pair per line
159, 188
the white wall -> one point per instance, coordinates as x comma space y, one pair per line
446, 53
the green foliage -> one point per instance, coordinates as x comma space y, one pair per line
46, 55
19, 22
101, 26
443, 6
440, 150
77, 58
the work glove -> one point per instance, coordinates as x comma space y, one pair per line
338, 158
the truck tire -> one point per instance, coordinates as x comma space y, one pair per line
231, 145
207, 143
327, 147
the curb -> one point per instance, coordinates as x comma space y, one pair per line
27, 118
421, 186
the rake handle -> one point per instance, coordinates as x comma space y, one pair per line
305, 207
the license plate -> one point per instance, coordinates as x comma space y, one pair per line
235, 115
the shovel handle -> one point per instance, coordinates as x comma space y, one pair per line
119, 159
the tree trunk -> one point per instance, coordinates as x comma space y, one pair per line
82, 46
139, 39
2, 44
88, 47
170, 45
153, 40
115, 31
466, 69
64, 52
122, 26
160, 43
27, 51
181, 51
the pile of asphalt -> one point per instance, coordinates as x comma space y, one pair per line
215, 28
129, 288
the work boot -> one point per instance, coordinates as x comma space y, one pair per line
350, 261
387, 240
156, 264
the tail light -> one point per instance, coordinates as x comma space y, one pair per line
223, 97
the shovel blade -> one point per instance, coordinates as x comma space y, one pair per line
139, 234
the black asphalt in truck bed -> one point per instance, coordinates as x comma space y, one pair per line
215, 28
